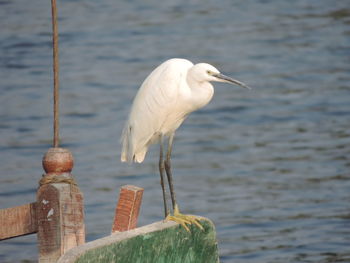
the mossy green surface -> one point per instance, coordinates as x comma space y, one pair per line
170, 245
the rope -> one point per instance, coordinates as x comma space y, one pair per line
52, 178
55, 75
57, 179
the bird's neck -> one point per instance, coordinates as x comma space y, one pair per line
201, 93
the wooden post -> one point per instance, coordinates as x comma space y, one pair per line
60, 211
128, 208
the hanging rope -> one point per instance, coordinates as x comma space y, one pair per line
55, 75
57, 162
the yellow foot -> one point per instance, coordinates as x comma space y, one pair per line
184, 220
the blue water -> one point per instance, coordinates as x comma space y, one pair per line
269, 166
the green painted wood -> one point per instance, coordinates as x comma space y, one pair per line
163, 243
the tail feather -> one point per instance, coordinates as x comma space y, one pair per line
129, 152
126, 154
140, 155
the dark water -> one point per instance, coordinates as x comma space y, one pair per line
270, 167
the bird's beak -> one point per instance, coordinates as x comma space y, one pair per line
227, 79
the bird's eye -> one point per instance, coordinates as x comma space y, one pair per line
208, 72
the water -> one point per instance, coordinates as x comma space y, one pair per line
270, 167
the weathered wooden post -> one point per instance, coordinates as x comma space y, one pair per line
128, 208
60, 209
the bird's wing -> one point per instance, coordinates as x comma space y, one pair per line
152, 105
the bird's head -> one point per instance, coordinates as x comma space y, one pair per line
205, 72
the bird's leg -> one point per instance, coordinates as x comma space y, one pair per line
182, 219
167, 164
161, 172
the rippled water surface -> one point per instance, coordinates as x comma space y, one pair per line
270, 167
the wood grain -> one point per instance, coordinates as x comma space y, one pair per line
18, 221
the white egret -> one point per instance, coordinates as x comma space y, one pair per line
171, 92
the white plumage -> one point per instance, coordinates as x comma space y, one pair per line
172, 91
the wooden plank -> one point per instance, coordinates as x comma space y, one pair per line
159, 242
18, 221
128, 208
